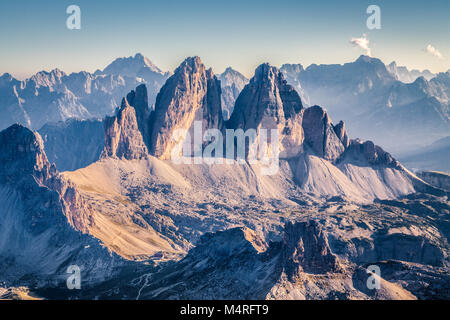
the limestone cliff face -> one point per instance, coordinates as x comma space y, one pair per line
320, 134
268, 102
138, 99
306, 249
124, 131
191, 94
22, 156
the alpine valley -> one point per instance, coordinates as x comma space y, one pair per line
86, 179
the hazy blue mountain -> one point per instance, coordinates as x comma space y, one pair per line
291, 73
405, 75
232, 82
74, 143
433, 157
56, 96
376, 105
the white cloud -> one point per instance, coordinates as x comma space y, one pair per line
363, 43
435, 52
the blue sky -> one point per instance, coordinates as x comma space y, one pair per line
236, 33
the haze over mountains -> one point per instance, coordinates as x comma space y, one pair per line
399, 109
55, 96
141, 226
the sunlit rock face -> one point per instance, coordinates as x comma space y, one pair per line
125, 132
191, 94
268, 102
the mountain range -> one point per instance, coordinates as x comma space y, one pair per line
140, 226
56, 96
399, 109
374, 102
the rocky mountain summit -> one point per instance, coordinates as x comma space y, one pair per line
268, 102
191, 94
408, 76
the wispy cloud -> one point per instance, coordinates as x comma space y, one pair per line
435, 52
363, 43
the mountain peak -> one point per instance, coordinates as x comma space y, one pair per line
125, 131
190, 64
191, 94
22, 154
367, 59
131, 66
7, 76
290, 67
265, 70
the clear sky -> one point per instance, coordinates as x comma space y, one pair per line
237, 33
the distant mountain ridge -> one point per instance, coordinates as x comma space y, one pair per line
368, 95
56, 96
232, 83
407, 76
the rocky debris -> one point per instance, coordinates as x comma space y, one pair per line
73, 144
427, 283
232, 82
227, 264
437, 179
123, 137
320, 134
407, 76
268, 102
306, 249
191, 94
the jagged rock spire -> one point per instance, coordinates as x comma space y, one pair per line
268, 102
320, 134
191, 94
125, 132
